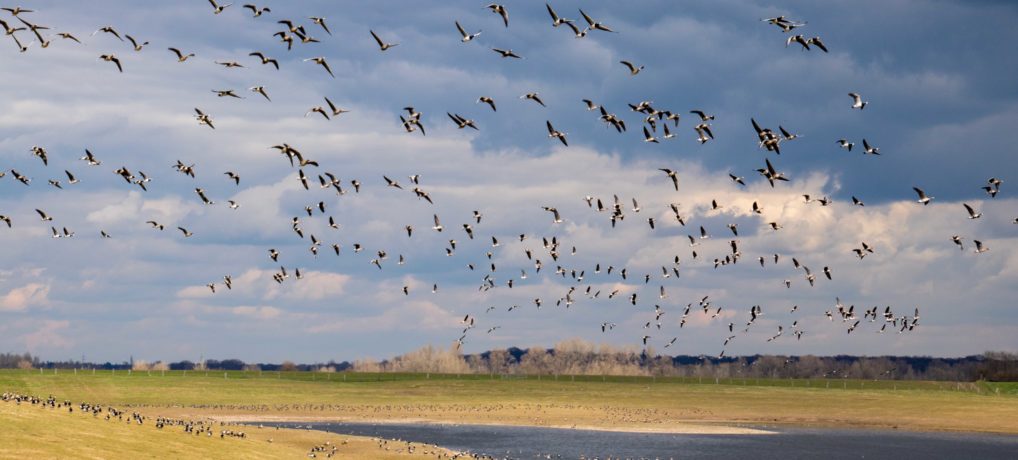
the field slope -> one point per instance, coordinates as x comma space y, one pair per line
623, 403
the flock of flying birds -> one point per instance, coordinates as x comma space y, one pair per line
657, 125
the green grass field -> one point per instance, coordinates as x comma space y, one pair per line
611, 402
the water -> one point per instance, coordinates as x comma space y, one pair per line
787, 443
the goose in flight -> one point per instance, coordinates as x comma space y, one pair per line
135, 44
226, 94
785, 24
230, 64
6, 220
437, 227
42, 215
633, 69
321, 61
845, 144
317, 109
90, 159
923, 198
507, 53
108, 30
155, 224
381, 44
67, 36
203, 118
320, 21
819, 44
980, 248
555, 19
217, 8
17, 10
577, 33
501, 11
466, 37
335, 110
204, 199
673, 176
186, 233
460, 121
260, 90
181, 57
489, 101
265, 60
553, 133
972, 213
41, 153
771, 174
957, 240
647, 137
534, 97
857, 102
114, 59
594, 25
869, 149
255, 11
557, 218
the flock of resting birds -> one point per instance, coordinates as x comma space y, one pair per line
211, 429
657, 125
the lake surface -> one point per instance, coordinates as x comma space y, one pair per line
788, 443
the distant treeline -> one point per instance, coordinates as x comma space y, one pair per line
576, 357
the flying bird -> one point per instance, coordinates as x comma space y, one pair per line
465, 36
381, 44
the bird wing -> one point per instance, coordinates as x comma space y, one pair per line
554, 17
379, 40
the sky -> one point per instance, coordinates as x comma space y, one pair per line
942, 106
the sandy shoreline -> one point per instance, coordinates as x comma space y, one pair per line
684, 428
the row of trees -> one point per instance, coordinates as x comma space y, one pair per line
577, 357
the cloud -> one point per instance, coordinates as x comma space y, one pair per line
923, 111
24, 297
49, 335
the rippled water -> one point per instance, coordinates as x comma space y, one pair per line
787, 443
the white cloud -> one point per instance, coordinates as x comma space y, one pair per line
25, 297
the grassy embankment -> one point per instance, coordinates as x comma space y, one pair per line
661, 404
